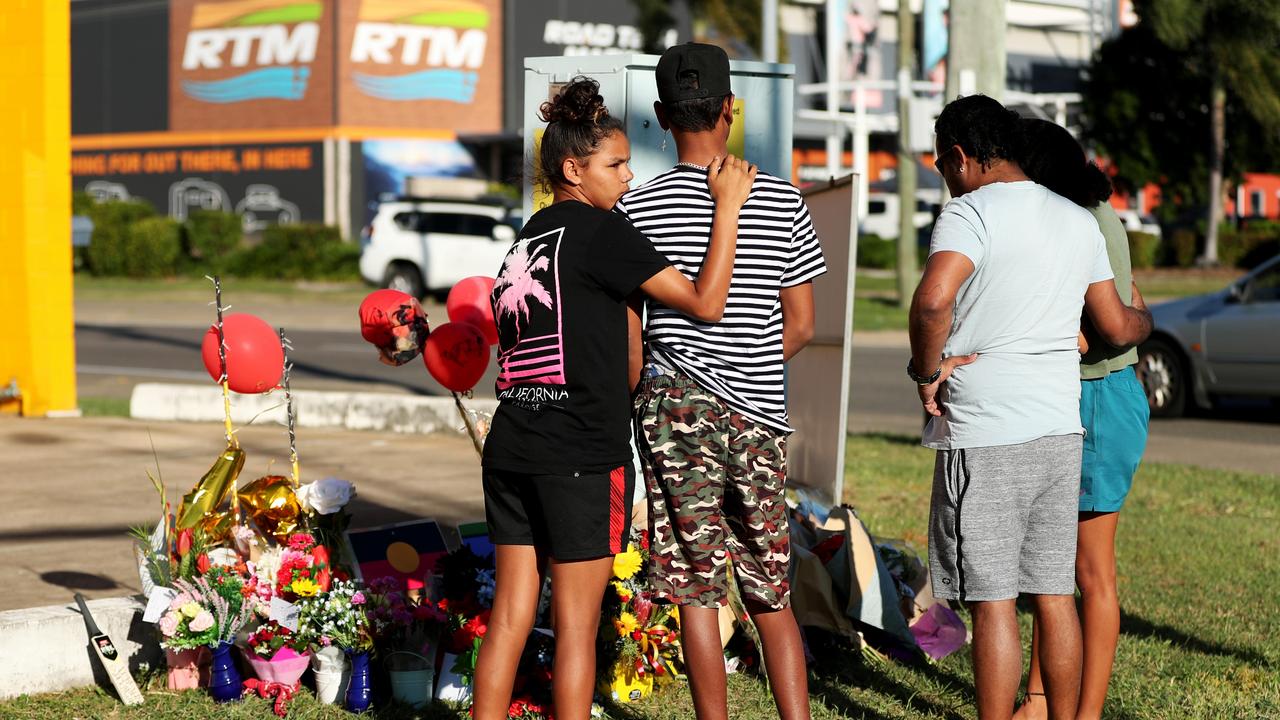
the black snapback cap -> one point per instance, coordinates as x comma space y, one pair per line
692, 71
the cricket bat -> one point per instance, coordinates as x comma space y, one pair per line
117, 667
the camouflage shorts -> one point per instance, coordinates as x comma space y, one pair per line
715, 489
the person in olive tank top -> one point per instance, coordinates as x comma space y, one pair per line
1114, 414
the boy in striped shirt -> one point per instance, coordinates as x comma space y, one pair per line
711, 417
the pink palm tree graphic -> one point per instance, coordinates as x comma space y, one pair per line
518, 284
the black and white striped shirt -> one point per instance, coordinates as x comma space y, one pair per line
739, 358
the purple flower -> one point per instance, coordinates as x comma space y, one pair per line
358, 598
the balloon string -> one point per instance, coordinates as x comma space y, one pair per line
226, 390
471, 428
286, 346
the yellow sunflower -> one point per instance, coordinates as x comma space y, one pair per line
624, 594
626, 624
304, 587
626, 564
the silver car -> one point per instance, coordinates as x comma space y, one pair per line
1223, 343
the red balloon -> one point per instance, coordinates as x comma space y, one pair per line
470, 302
456, 355
255, 360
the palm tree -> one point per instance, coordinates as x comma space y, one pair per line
518, 284
1236, 42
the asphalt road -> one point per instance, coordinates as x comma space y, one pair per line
111, 359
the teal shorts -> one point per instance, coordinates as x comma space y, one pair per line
1114, 413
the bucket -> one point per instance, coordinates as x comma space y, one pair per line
412, 677
332, 674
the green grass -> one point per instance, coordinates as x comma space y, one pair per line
1170, 284
104, 407
1199, 559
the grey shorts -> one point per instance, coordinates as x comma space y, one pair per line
1002, 520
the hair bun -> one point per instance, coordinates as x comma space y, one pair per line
579, 103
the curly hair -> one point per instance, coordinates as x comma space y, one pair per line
986, 130
1051, 157
577, 121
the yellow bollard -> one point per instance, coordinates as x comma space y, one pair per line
37, 327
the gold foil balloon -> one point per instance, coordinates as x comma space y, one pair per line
216, 526
212, 489
271, 505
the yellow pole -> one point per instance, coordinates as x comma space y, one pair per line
37, 326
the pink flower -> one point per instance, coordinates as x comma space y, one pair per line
180, 599
201, 622
169, 624
325, 641
358, 598
301, 541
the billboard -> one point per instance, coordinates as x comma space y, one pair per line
265, 184
574, 27
421, 63
238, 64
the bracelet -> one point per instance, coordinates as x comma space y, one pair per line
921, 379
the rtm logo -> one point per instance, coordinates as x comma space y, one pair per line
449, 36
240, 33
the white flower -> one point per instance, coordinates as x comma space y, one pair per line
326, 496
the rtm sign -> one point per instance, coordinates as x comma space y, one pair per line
386, 44
271, 44
241, 47
438, 49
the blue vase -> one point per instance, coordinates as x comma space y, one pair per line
360, 689
224, 678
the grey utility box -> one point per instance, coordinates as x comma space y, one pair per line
763, 92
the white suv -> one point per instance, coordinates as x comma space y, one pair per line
422, 246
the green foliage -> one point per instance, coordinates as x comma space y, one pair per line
1144, 248
1147, 98
307, 251
1249, 246
154, 247
81, 203
108, 252
1184, 248
876, 252
210, 237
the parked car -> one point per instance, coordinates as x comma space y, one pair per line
1133, 221
882, 214
423, 246
1223, 343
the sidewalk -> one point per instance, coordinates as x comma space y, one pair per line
74, 487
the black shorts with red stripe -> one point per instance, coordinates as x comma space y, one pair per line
571, 517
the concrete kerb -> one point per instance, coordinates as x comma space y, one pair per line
46, 649
314, 408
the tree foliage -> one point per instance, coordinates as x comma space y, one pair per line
1149, 92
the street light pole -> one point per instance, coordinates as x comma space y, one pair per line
907, 272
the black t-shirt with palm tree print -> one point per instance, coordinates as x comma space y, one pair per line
560, 302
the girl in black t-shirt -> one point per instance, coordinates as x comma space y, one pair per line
558, 478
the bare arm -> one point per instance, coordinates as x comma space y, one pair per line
635, 340
932, 311
730, 180
1117, 324
797, 318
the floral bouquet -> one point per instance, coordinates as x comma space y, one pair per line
336, 618
277, 654
304, 568
403, 621
639, 640
207, 611
467, 594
